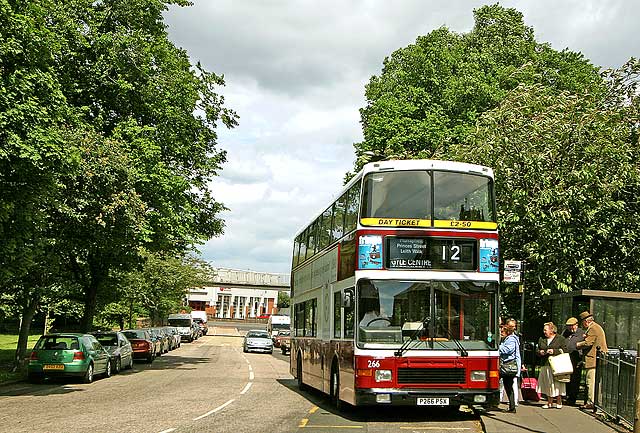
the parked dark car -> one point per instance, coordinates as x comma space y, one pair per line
68, 354
158, 339
143, 345
174, 337
195, 329
202, 326
167, 339
118, 347
285, 344
281, 334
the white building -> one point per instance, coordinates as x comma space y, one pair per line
238, 294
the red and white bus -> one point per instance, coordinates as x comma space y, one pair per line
395, 288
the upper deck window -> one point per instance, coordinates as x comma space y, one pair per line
427, 195
400, 194
463, 197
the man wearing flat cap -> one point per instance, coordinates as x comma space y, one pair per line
573, 334
594, 339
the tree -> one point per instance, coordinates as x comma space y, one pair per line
431, 93
34, 120
155, 290
284, 300
149, 149
567, 172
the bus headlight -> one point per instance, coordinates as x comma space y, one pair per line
383, 376
479, 376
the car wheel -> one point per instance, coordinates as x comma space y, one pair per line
88, 376
107, 372
130, 366
118, 368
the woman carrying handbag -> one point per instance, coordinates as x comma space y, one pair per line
510, 362
550, 345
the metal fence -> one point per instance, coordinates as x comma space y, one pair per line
615, 383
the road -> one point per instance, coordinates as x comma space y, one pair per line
209, 385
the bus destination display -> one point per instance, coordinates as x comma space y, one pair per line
430, 253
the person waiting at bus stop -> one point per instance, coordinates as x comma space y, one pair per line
573, 334
594, 340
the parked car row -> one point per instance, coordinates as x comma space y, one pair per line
98, 353
149, 343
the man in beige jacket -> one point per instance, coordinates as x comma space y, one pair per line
594, 339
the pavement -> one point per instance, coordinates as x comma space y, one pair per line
531, 418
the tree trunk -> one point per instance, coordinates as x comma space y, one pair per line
25, 326
98, 273
90, 300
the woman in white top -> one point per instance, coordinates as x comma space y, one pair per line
550, 345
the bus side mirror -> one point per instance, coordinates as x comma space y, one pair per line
347, 298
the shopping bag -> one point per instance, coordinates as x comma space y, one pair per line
528, 388
561, 364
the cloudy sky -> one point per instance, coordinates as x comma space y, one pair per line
295, 73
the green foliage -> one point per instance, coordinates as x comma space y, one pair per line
567, 182
157, 289
107, 143
284, 300
562, 139
431, 93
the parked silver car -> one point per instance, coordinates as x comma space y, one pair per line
257, 340
118, 346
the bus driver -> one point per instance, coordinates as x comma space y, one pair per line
370, 303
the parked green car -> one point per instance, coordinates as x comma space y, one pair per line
68, 354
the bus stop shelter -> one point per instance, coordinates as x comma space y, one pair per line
617, 312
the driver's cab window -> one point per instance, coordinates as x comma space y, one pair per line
369, 310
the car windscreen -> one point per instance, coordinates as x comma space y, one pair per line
57, 342
255, 334
134, 334
107, 340
181, 323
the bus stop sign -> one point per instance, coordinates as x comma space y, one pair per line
512, 269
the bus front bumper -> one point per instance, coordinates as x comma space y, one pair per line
426, 397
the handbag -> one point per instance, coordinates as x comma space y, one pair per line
561, 365
508, 368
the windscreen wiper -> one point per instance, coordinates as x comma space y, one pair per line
405, 346
463, 351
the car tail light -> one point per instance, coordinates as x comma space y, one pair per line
33, 356
78, 355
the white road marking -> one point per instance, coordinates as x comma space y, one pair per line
250, 368
251, 376
246, 388
211, 412
169, 430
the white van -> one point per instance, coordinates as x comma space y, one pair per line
202, 315
183, 322
276, 323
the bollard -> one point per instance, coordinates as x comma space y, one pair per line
636, 403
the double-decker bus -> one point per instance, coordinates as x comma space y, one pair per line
395, 288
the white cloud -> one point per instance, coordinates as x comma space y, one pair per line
296, 73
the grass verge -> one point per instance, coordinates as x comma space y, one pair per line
8, 344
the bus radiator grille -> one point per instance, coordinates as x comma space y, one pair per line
431, 375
